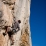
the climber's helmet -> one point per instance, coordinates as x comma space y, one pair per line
19, 21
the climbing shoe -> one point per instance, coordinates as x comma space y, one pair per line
4, 34
12, 43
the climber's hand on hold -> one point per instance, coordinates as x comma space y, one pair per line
17, 30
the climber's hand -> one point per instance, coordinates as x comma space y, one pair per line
17, 29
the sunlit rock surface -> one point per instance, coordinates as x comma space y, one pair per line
20, 9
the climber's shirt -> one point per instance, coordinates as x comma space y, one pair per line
15, 26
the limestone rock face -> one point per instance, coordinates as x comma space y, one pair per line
18, 10
9, 1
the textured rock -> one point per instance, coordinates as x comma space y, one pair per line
9, 1
20, 9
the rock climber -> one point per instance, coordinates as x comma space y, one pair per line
15, 28
12, 30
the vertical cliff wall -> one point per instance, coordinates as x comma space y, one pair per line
20, 9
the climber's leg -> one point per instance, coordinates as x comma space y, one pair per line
10, 34
12, 40
5, 28
8, 30
4, 34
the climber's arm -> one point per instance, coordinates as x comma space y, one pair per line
18, 27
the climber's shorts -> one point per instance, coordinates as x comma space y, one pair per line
11, 33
